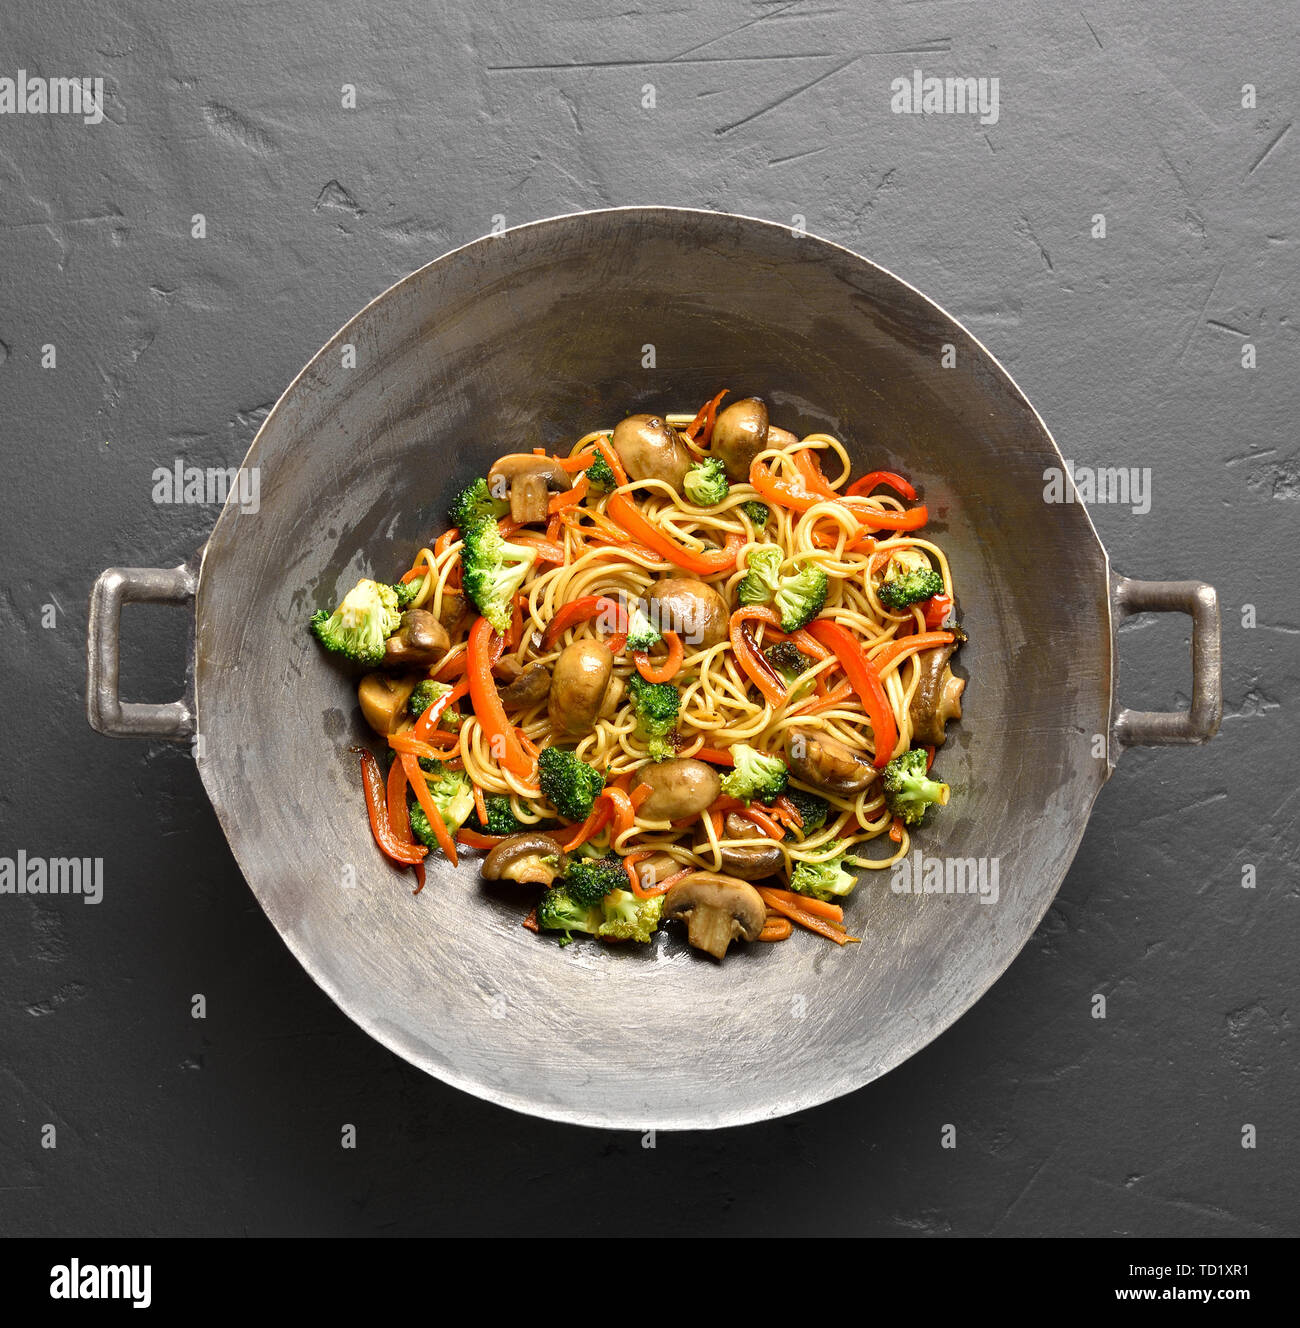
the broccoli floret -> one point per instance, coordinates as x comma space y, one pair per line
627, 918
811, 808
589, 880
908, 789
655, 705
406, 591
824, 880
641, 632
599, 475
908, 579
706, 482
799, 598
568, 784
425, 694
559, 911
787, 659
473, 503
494, 571
453, 796
358, 628
758, 513
762, 576
756, 775
501, 819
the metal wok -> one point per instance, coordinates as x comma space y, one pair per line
526, 339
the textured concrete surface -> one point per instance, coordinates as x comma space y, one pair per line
168, 346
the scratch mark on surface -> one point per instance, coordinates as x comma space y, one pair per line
762, 18
653, 63
1093, 30
1259, 161
1225, 327
796, 156
1191, 331
786, 97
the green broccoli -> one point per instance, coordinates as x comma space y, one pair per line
568, 784
627, 918
909, 578
706, 482
358, 628
501, 819
406, 591
589, 880
453, 796
756, 775
557, 910
824, 880
599, 475
494, 571
473, 503
811, 808
758, 513
762, 576
655, 705
908, 789
799, 598
787, 659
425, 694
641, 632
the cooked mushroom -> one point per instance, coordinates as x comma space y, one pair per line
613, 697
530, 480
749, 864
937, 698
717, 910
656, 868
528, 857
383, 700
419, 641
651, 450
826, 763
452, 608
689, 607
528, 688
678, 788
579, 682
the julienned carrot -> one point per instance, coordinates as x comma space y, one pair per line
595, 822
531, 921
765, 823
480, 806
573, 464
785, 810
783, 493
473, 839
408, 745
715, 756
776, 929
624, 812
547, 550
570, 498
625, 512
667, 669
806, 919
420, 785
919, 641
503, 742
865, 681
639, 795
757, 669
818, 907
828, 701
377, 809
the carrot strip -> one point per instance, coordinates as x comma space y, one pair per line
806, 919
776, 929
896, 830
595, 822
445, 540
715, 755
480, 806
819, 907
421, 788
407, 745
570, 498
531, 921
764, 822
639, 795
667, 670
473, 839
785, 810
573, 464
917, 641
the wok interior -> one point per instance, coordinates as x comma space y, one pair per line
531, 339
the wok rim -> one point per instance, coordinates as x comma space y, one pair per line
393, 1039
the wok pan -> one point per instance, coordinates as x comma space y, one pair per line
528, 339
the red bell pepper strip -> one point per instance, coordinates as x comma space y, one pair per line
785, 494
583, 610
936, 610
626, 514
864, 680
860, 488
376, 805
917, 641
667, 669
429, 717
700, 429
503, 741
757, 669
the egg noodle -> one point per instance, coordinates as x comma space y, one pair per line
719, 705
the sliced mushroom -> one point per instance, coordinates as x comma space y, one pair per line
383, 700
651, 450
528, 857
530, 481
717, 910
781, 438
452, 608
679, 788
689, 607
419, 641
937, 698
531, 686
749, 864
579, 681
826, 763
613, 697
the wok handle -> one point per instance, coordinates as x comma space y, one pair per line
1159, 728
106, 712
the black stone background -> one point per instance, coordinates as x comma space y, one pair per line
172, 347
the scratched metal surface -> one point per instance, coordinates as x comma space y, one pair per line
172, 347
523, 340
